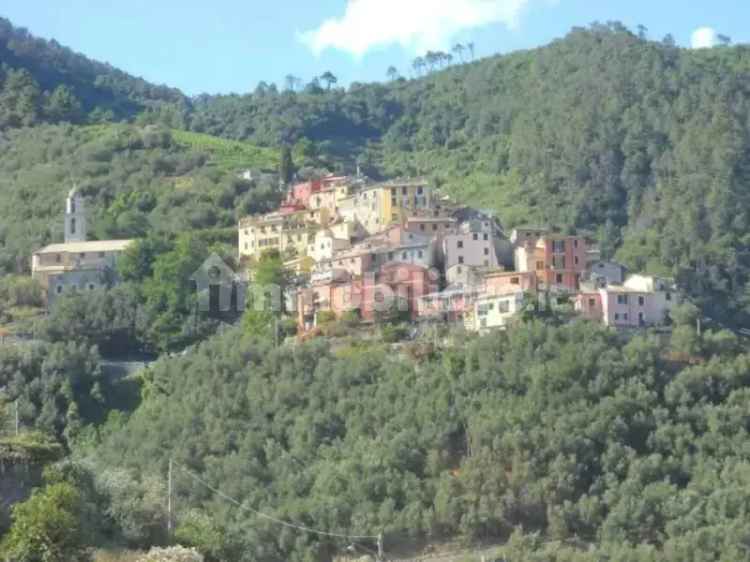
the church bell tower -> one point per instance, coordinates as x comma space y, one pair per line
75, 217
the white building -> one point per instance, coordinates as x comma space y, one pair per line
495, 311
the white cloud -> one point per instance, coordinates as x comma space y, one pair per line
414, 24
704, 38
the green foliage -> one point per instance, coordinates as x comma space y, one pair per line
567, 431
137, 181
29, 447
602, 131
47, 527
106, 319
61, 85
286, 165
229, 155
59, 387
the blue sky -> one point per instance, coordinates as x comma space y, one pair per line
230, 45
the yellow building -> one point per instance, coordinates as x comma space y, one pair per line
383, 204
289, 233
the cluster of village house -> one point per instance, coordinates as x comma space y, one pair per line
373, 248
395, 247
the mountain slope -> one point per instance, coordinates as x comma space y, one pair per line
97, 86
642, 143
137, 179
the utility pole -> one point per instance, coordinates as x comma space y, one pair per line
380, 546
276, 332
18, 424
169, 500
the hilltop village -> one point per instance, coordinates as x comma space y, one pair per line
376, 250
396, 250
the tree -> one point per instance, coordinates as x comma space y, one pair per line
392, 73
47, 528
642, 31
724, 40
292, 82
470, 47
458, 50
265, 302
418, 65
19, 100
329, 78
286, 165
62, 105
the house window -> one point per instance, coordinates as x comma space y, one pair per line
668, 296
641, 318
592, 303
486, 251
575, 260
59, 289
558, 262
419, 190
434, 227
475, 236
515, 281
503, 306
575, 243
622, 299
460, 259
421, 227
625, 316
83, 255
419, 253
558, 246
617, 316
486, 236
539, 265
559, 278
641, 301
91, 287
460, 244
73, 226
404, 190
102, 254
58, 258
403, 255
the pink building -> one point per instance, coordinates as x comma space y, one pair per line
639, 301
589, 305
472, 246
559, 261
396, 287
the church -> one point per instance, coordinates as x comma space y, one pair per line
77, 264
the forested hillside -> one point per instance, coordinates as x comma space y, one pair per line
640, 142
138, 179
643, 143
573, 442
564, 431
43, 81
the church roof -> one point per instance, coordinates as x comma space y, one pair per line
81, 247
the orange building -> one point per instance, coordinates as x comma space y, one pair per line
559, 261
